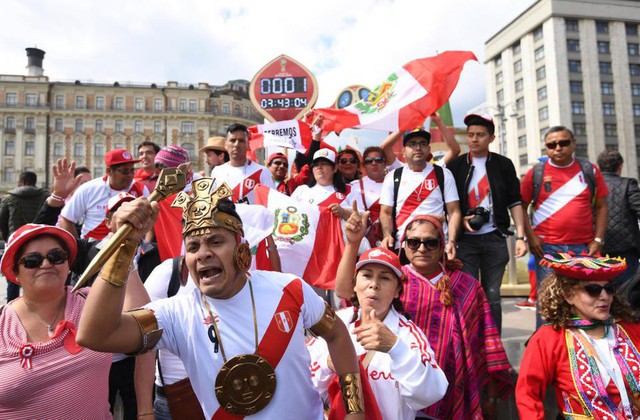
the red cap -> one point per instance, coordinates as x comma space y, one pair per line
584, 267
117, 200
381, 256
119, 156
276, 155
25, 234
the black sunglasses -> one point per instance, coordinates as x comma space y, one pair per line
35, 259
370, 160
429, 243
553, 144
594, 290
352, 161
280, 163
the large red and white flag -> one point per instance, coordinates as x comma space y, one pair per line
290, 134
309, 241
404, 99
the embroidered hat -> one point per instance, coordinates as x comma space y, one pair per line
25, 234
481, 119
584, 267
327, 154
276, 155
215, 143
117, 200
172, 156
418, 132
381, 256
119, 156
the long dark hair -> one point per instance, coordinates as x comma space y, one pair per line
338, 180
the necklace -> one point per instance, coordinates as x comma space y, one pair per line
42, 321
245, 384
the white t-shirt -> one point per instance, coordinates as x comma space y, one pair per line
372, 191
317, 195
479, 194
186, 325
157, 285
418, 194
243, 179
404, 380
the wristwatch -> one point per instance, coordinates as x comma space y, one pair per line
521, 238
599, 241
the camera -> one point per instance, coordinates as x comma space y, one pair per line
480, 217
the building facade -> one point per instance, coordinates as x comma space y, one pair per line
571, 63
43, 120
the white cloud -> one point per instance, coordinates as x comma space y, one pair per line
343, 43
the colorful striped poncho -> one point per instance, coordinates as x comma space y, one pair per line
464, 338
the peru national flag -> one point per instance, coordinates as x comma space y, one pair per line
290, 134
309, 241
406, 98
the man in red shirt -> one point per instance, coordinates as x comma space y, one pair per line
147, 173
563, 216
278, 165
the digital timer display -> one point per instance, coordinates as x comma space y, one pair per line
278, 85
283, 103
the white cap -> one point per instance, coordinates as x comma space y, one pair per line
328, 154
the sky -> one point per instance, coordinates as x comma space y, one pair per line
214, 41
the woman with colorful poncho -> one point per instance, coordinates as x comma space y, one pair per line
588, 350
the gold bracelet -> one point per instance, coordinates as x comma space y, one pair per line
326, 322
149, 330
116, 270
351, 386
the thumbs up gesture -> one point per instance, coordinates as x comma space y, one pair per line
356, 225
373, 334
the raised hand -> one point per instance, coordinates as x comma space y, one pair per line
373, 334
64, 181
356, 226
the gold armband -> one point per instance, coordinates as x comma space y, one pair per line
116, 270
148, 324
351, 387
325, 324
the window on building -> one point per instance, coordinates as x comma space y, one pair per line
636, 131
139, 104
10, 148
78, 149
59, 101
537, 33
610, 130
543, 131
58, 149
236, 111
604, 47
79, 102
8, 174
137, 126
157, 127
79, 125
573, 45
188, 127
226, 109
517, 66
602, 27
499, 77
11, 99
580, 129
30, 123
497, 61
118, 145
31, 99
193, 105
581, 150
522, 141
99, 102
119, 103
29, 148
157, 104
633, 48
520, 104
246, 112
605, 67
608, 108
522, 123
515, 48
606, 88
519, 85
500, 96
577, 108
98, 149
99, 126
11, 123
575, 86
58, 124
541, 73
191, 151
183, 105
98, 172
524, 159
631, 29
571, 25
575, 66
539, 53
634, 69
214, 108
636, 110
635, 89
542, 93
119, 126
543, 113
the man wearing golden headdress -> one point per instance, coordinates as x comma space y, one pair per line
240, 334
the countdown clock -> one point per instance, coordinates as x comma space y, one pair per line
283, 89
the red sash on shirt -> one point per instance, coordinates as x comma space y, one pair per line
278, 335
420, 194
248, 184
481, 190
336, 198
101, 231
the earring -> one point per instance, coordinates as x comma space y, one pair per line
242, 257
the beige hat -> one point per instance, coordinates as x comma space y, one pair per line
215, 143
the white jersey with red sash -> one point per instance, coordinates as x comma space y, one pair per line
479, 193
285, 306
323, 196
89, 202
367, 192
242, 179
418, 194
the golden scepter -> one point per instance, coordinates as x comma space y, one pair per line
170, 181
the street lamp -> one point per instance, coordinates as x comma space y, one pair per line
499, 114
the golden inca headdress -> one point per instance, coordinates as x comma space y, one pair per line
200, 213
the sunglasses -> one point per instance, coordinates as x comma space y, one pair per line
415, 145
430, 243
369, 160
594, 290
35, 259
280, 163
562, 143
352, 161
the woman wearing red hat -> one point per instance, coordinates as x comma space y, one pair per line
588, 351
400, 365
451, 309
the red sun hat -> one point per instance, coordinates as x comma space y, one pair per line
118, 157
276, 155
25, 234
117, 200
381, 256
584, 267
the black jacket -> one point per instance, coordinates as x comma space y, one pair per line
19, 207
503, 181
624, 210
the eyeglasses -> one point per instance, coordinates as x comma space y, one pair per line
280, 163
562, 143
35, 259
369, 160
594, 290
430, 243
416, 144
124, 171
352, 161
